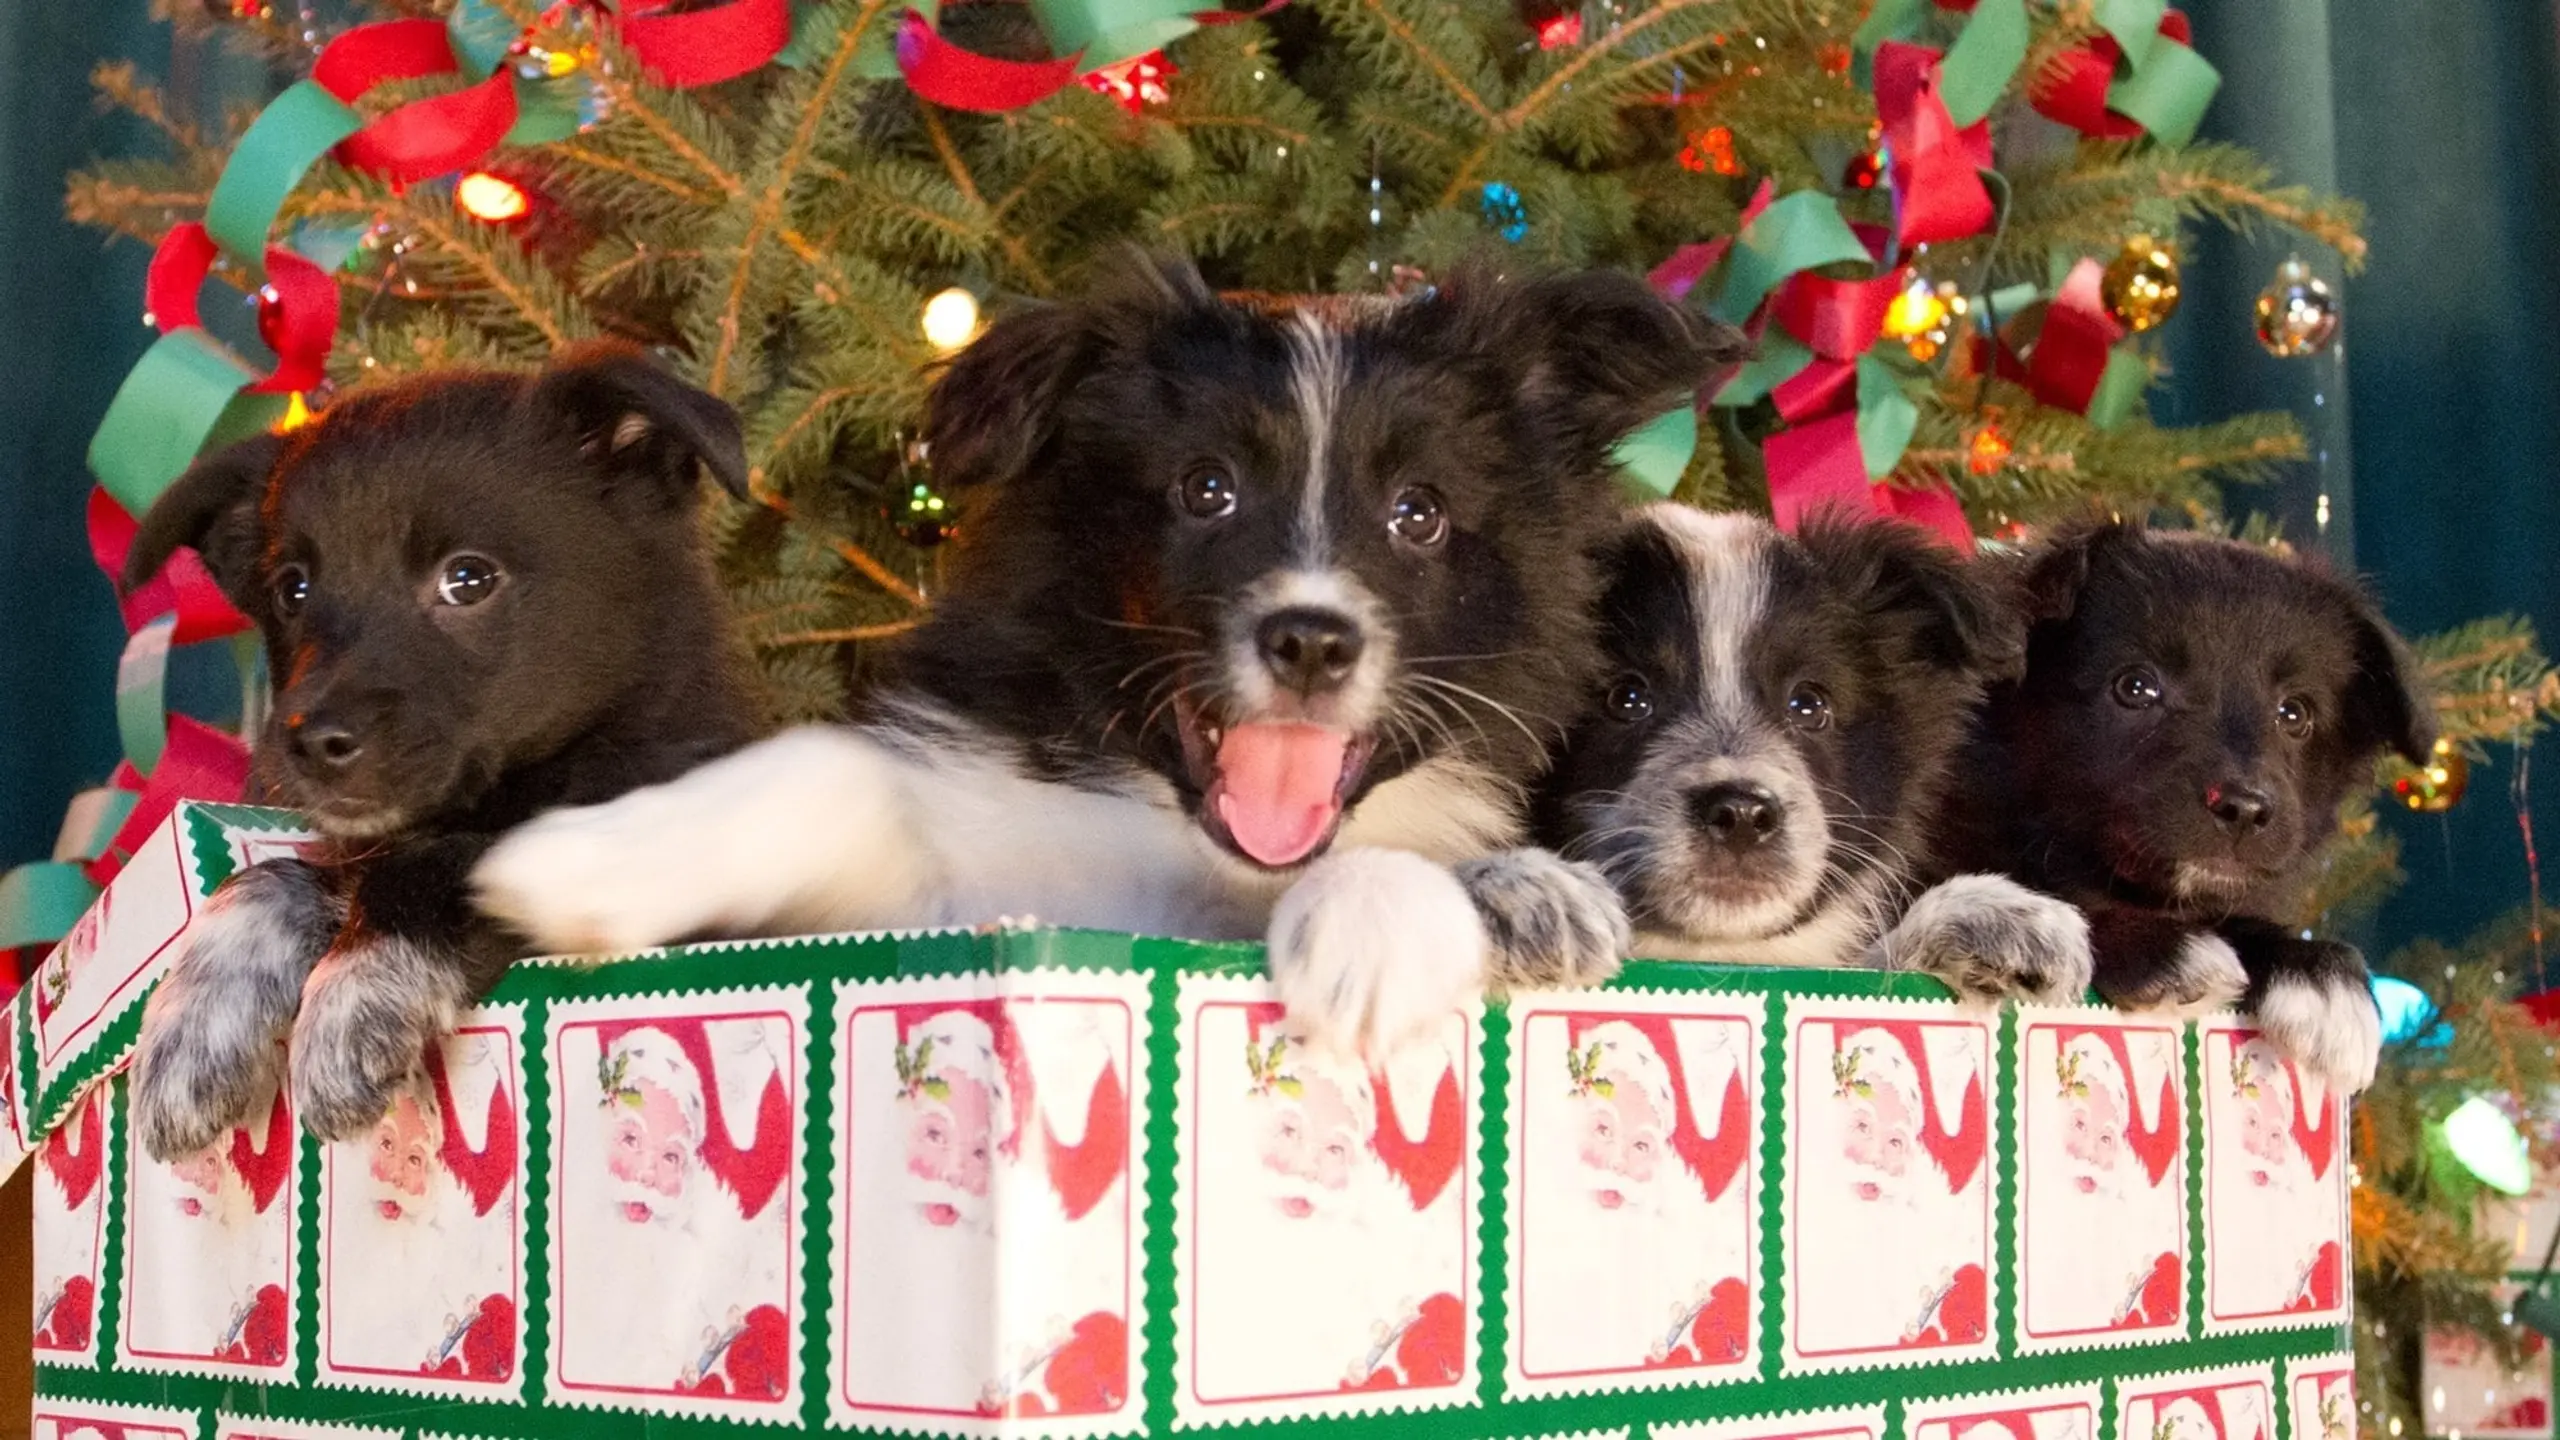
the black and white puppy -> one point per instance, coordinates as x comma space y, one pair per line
1760, 770
482, 597
2191, 714
1256, 598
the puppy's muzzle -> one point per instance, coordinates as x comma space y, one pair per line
2240, 809
1738, 817
1307, 650
325, 746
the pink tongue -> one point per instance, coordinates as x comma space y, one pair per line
1277, 786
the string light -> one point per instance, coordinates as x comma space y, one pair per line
2487, 1143
951, 319
493, 198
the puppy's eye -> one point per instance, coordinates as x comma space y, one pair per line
1207, 493
1418, 518
292, 587
2137, 688
1630, 699
2293, 716
1809, 707
467, 580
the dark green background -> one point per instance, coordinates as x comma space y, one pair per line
2441, 407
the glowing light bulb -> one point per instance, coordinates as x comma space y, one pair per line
951, 319
2481, 1136
493, 198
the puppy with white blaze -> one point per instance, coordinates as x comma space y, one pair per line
1262, 621
1758, 768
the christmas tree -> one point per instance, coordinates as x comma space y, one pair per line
1950, 224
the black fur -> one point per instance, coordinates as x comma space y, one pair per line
413, 731
1896, 633
2079, 784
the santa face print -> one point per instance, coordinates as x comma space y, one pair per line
986, 1116
675, 1176
1889, 1192
421, 1247
1313, 1175
2102, 1171
2275, 1214
209, 1241
1632, 1234
70, 1231
2235, 1404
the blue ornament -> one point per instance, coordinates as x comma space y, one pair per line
1504, 212
2407, 1014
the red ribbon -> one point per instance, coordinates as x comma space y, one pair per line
705, 47
298, 315
2073, 89
183, 586
2070, 354
424, 138
1938, 192
200, 763
963, 80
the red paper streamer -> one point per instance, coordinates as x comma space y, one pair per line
200, 763
961, 80
2070, 354
299, 318
2073, 89
705, 47
426, 138
1938, 192
183, 586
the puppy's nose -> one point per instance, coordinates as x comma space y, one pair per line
325, 744
1738, 817
2239, 809
1308, 650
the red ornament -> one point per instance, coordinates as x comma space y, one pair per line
1560, 31
1863, 172
1136, 83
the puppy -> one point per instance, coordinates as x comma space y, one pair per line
1257, 599
483, 598
2191, 713
1759, 769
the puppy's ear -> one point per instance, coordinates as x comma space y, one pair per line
2387, 705
1948, 605
2046, 581
637, 416
1597, 351
213, 509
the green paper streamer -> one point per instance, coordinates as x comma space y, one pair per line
296, 129
40, 903
547, 110
1980, 64
1889, 20
2120, 387
1653, 457
1797, 232
1886, 417
481, 35
1106, 32
2168, 95
2010, 299
2134, 25
142, 694
328, 244
114, 808
162, 414
1781, 356
813, 32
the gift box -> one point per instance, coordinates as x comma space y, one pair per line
1031, 1182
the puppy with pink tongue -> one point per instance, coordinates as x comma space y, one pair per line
1259, 622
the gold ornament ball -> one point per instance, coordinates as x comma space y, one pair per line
2140, 286
2297, 315
2436, 786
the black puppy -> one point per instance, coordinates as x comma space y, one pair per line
1759, 774
2192, 712
482, 597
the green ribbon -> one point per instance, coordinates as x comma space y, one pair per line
1106, 32
2133, 24
1984, 58
2120, 387
2168, 94
40, 903
161, 416
1889, 20
289, 136
482, 37
548, 109
1653, 456
1796, 232
1886, 417
1781, 356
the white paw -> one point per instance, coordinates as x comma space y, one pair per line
1370, 947
1548, 921
625, 875
1993, 939
368, 1015
2327, 1025
2205, 978
208, 1057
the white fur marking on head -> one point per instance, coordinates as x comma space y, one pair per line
1317, 371
1372, 946
1727, 556
2328, 1026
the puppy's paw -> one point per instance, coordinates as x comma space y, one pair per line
208, 1055
2319, 1011
368, 1015
1993, 939
1548, 921
1370, 947
624, 875
2200, 975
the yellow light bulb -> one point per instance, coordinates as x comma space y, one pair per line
951, 319
296, 415
493, 198
1918, 310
